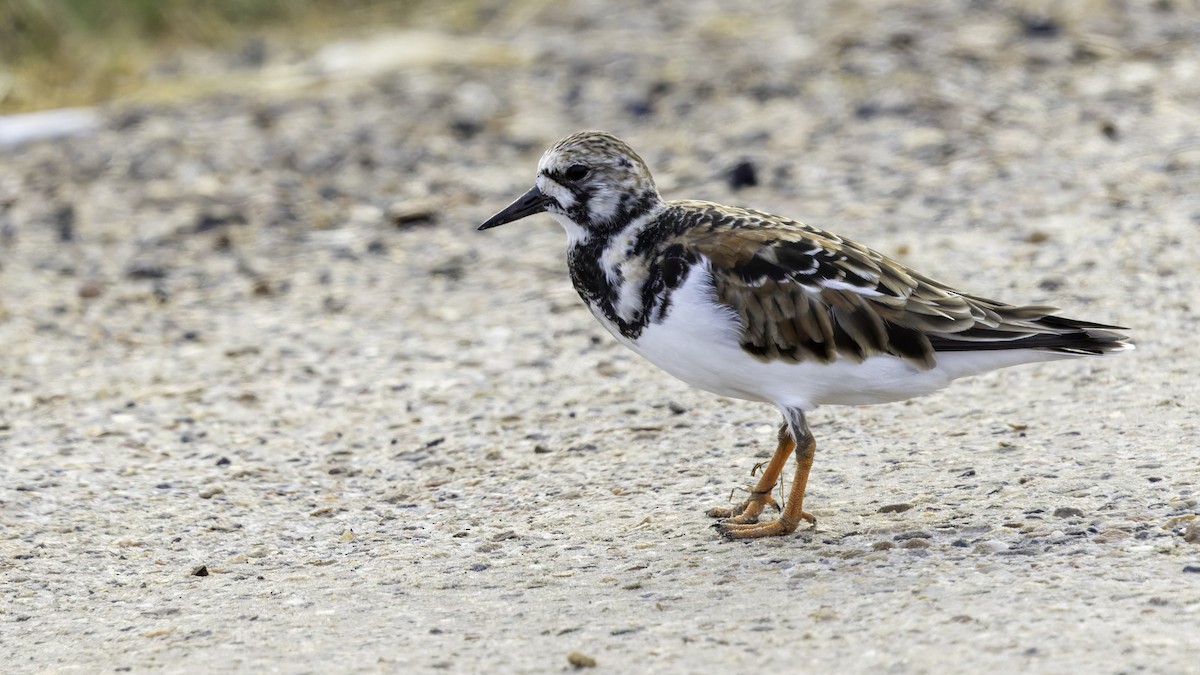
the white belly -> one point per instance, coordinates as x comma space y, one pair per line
699, 344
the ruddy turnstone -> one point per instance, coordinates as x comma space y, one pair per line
764, 308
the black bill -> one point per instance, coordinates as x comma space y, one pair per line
526, 205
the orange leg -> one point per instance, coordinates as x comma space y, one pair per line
749, 510
793, 511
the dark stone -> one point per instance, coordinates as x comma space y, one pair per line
640, 108
64, 222
1040, 27
466, 129
742, 175
865, 111
146, 270
253, 54
915, 534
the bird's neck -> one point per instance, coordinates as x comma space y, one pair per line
608, 269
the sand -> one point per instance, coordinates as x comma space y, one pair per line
268, 403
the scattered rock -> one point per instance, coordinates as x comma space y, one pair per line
823, 613
146, 269
580, 660
1110, 536
742, 175
1068, 512
412, 213
895, 508
991, 546
90, 289
201, 571
1039, 26
64, 222
218, 217
923, 139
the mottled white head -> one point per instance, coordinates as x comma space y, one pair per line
591, 182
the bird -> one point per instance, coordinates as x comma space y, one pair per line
760, 307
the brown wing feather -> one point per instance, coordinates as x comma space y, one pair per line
803, 294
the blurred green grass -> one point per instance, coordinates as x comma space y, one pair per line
56, 53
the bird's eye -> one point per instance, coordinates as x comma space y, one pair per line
576, 172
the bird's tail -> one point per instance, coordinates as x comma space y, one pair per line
1046, 333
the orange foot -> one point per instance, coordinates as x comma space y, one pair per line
731, 529
747, 512
743, 522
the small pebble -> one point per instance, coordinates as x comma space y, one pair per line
201, 571
1068, 512
90, 289
64, 220
913, 534
895, 508
413, 213
742, 175
823, 613
991, 546
146, 269
210, 492
1110, 536
581, 660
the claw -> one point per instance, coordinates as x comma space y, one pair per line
775, 528
741, 522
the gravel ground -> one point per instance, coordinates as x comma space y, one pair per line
269, 404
